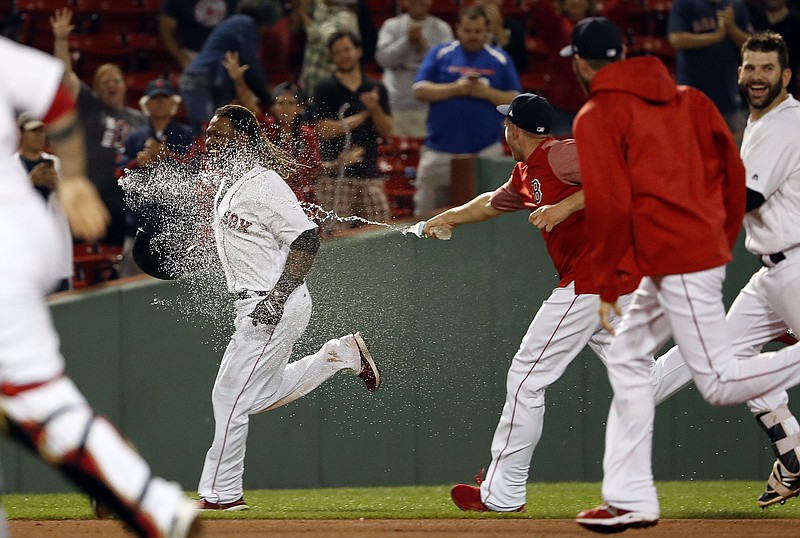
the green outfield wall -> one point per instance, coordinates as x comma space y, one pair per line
444, 319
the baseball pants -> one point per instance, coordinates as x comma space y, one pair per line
689, 307
564, 324
255, 376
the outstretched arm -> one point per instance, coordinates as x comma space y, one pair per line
478, 209
61, 23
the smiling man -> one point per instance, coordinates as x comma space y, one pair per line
768, 303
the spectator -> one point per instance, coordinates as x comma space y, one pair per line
553, 23
707, 36
508, 34
285, 127
463, 81
321, 19
775, 15
205, 84
44, 171
184, 25
106, 120
403, 42
161, 137
352, 111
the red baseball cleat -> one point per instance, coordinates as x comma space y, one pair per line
369, 370
206, 506
607, 519
468, 498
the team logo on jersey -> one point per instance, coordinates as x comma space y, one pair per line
536, 190
755, 177
235, 222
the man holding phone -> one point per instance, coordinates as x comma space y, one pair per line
43, 171
463, 81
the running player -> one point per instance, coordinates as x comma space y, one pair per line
663, 177
41, 406
266, 245
771, 154
545, 182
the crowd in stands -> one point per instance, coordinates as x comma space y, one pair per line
374, 98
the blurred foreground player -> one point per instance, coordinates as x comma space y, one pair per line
42, 408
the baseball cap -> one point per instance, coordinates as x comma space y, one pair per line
595, 38
159, 86
27, 122
529, 112
288, 87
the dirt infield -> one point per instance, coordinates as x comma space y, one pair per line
428, 528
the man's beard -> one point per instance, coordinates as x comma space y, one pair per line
764, 102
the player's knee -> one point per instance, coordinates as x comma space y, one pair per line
52, 419
716, 395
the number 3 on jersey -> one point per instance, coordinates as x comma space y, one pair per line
536, 188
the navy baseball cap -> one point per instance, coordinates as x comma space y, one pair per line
159, 86
529, 112
595, 38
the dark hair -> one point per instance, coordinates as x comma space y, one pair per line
288, 87
768, 42
265, 152
341, 34
473, 12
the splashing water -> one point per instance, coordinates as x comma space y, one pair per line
175, 201
319, 214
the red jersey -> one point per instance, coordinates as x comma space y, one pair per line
548, 176
661, 173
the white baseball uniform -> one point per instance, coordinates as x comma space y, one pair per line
34, 391
770, 301
256, 218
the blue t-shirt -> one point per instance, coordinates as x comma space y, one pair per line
237, 33
712, 69
465, 124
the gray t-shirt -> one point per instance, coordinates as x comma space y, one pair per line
106, 130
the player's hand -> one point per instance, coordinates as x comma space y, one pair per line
235, 69
547, 217
434, 226
605, 309
61, 23
268, 311
87, 215
44, 175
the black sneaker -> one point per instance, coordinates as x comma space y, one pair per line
782, 485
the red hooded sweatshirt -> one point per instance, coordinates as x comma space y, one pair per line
661, 174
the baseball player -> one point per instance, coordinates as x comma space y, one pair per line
771, 154
41, 406
266, 245
662, 176
545, 182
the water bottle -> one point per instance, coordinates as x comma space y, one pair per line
439, 232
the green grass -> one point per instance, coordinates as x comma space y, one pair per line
727, 499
